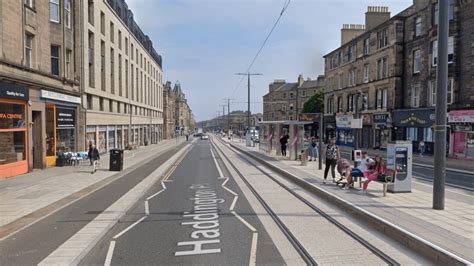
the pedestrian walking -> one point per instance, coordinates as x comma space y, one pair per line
313, 149
90, 150
94, 157
332, 156
283, 143
421, 148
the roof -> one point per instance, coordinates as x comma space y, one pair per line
310, 84
287, 87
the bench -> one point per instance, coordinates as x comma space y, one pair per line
389, 178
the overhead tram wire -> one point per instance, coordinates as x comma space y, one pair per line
285, 6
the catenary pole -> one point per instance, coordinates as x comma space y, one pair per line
441, 106
248, 74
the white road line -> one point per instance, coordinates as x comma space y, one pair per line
244, 222
128, 228
163, 184
217, 165
110, 253
154, 195
253, 249
147, 208
232, 206
225, 182
230, 191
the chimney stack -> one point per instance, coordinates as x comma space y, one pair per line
300, 80
351, 31
375, 16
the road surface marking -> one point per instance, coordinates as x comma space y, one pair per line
253, 249
128, 228
244, 222
232, 206
217, 165
110, 253
147, 208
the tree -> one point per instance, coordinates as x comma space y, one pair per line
315, 104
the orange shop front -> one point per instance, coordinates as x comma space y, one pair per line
13, 130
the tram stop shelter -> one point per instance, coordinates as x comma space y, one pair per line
271, 132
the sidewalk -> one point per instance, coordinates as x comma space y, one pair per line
55, 187
451, 229
427, 160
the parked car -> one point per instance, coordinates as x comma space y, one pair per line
204, 137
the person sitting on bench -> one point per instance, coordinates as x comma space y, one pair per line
364, 165
379, 171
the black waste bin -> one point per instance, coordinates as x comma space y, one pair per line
116, 160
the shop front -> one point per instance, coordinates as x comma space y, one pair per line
415, 125
60, 124
462, 134
102, 139
345, 135
13, 130
381, 130
366, 132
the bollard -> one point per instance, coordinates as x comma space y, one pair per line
304, 158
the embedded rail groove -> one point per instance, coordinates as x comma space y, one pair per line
386, 258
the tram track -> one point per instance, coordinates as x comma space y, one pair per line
289, 235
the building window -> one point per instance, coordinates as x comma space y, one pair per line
434, 56
382, 98
91, 60
55, 60
67, 13
432, 93
435, 12
352, 77
118, 108
68, 63
303, 93
382, 37
382, 68
415, 97
350, 103
120, 74
366, 73
341, 58
90, 11
131, 50
417, 26
54, 10
102, 23
412, 133
112, 31
365, 101
89, 102
112, 71
29, 3
339, 104
366, 46
291, 95
352, 53
28, 50
450, 92
416, 61
126, 46
120, 40
101, 104
329, 107
102, 65
111, 106
341, 81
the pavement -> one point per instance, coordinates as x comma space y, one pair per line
451, 229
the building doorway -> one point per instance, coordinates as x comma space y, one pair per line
37, 140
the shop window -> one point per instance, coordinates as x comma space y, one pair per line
50, 132
412, 133
12, 148
428, 134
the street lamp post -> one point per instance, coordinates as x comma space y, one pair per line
248, 74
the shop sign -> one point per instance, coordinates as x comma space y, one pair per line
310, 117
12, 116
343, 121
414, 118
461, 116
60, 97
65, 118
380, 118
462, 128
14, 91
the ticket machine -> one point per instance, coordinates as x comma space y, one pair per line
399, 158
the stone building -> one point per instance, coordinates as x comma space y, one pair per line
121, 80
365, 72
169, 110
284, 101
39, 85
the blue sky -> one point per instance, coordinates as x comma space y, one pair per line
205, 42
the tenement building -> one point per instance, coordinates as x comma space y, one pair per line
121, 77
183, 113
364, 79
284, 101
385, 73
39, 85
169, 110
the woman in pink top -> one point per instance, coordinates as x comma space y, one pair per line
380, 169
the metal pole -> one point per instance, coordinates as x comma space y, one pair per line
248, 103
441, 107
320, 148
228, 114
356, 130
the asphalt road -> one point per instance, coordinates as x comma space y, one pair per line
452, 178
32, 244
175, 226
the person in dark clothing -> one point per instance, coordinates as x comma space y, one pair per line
283, 143
332, 156
94, 157
90, 150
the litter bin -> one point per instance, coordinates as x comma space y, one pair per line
116, 160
